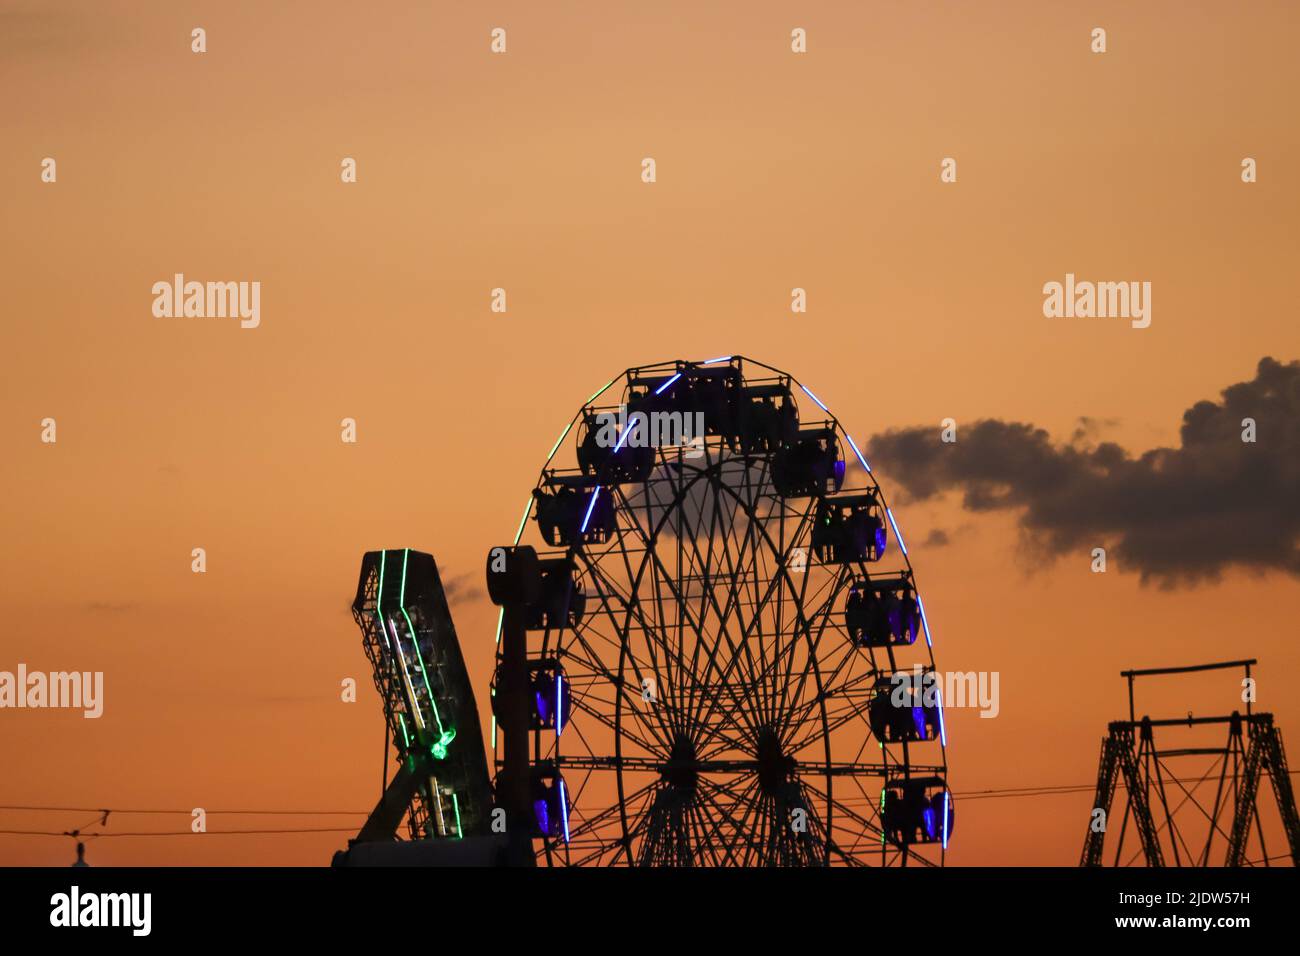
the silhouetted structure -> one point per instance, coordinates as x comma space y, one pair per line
1253, 748
702, 639
441, 787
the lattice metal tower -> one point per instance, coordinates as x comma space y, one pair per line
1162, 806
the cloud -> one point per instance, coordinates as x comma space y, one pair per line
1089, 428
1173, 515
461, 587
937, 538
651, 503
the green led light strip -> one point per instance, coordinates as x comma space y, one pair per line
424, 672
379, 613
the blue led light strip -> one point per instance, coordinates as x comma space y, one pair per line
861, 457
897, 533
590, 507
667, 383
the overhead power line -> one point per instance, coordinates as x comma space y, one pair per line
996, 793
149, 833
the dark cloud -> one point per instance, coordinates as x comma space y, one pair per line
937, 538
461, 587
1173, 515
1089, 428
649, 504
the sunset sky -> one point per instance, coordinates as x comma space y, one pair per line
522, 171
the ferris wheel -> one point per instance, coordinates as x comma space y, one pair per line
728, 661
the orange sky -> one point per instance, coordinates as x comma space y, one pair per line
522, 171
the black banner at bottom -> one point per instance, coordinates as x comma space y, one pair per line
418, 905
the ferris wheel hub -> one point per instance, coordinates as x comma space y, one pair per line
682, 768
775, 767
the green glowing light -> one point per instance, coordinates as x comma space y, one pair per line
424, 672
528, 506
419, 656
401, 598
563, 435
601, 392
439, 749
455, 805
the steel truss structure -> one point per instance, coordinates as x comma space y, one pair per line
440, 789
1158, 801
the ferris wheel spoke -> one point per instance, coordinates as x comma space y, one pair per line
711, 662
812, 664
715, 824
790, 848
740, 657
634, 605
855, 848
865, 824
600, 716
741, 571
812, 645
836, 718
683, 699
749, 800
661, 577
750, 569
585, 706
683, 686
649, 826
695, 565
755, 620
758, 570
603, 675
672, 685
781, 577
586, 826
759, 843
871, 827
700, 827
842, 717
663, 715
870, 837
723, 717
840, 688
773, 668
